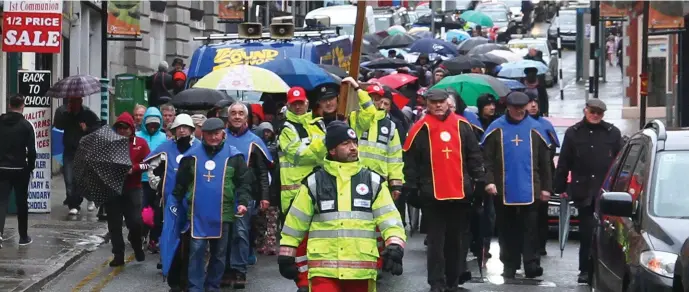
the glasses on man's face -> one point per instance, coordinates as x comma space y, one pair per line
596, 112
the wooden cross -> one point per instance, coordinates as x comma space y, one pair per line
209, 176
516, 140
447, 152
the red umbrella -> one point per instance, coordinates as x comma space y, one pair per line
399, 100
397, 80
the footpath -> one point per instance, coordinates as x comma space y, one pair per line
58, 241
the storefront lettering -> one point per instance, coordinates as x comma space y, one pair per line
227, 57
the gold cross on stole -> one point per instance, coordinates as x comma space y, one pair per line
516, 140
209, 176
447, 152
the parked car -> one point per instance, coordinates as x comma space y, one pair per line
521, 46
567, 21
501, 18
642, 212
681, 278
561, 125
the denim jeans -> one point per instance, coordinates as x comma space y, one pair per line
240, 244
73, 200
201, 280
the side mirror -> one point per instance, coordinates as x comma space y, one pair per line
616, 204
553, 52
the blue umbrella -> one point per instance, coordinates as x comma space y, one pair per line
516, 69
456, 33
433, 46
299, 72
513, 84
422, 34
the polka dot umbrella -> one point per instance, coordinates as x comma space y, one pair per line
101, 164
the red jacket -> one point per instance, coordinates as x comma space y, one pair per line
138, 150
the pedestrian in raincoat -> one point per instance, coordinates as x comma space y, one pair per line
341, 223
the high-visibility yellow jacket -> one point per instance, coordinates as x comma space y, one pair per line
301, 149
340, 206
380, 148
366, 114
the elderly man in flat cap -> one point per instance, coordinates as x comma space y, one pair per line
518, 173
215, 183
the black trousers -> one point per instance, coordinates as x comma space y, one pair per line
17, 180
127, 205
177, 276
586, 224
517, 234
542, 225
448, 226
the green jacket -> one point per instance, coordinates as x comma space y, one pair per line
238, 180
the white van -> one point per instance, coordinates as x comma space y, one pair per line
344, 16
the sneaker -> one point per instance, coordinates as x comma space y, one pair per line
239, 281
91, 206
73, 211
25, 240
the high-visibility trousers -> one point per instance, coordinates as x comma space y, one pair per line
302, 264
322, 284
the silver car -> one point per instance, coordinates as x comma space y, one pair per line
522, 46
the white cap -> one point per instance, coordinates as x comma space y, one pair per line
182, 120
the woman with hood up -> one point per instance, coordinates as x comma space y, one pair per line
266, 242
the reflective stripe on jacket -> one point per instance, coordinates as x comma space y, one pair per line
380, 148
340, 207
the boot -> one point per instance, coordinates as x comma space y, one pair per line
583, 278
239, 281
509, 273
117, 260
464, 277
139, 254
532, 270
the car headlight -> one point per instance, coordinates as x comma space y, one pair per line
661, 263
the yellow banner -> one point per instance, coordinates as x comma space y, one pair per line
123, 17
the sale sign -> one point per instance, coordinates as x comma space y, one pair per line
33, 85
32, 26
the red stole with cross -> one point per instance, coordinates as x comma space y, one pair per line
445, 146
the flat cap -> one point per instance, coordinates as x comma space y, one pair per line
437, 94
516, 98
596, 103
213, 124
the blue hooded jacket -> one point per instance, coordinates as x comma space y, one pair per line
154, 140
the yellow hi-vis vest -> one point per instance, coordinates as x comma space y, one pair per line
301, 148
380, 148
340, 207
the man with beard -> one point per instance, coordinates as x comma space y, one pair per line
164, 162
518, 172
551, 138
259, 160
327, 102
442, 162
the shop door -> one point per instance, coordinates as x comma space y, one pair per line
657, 81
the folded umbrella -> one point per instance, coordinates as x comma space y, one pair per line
485, 48
197, 99
461, 63
433, 46
299, 72
469, 44
563, 226
513, 84
516, 69
471, 86
101, 164
75, 86
397, 80
243, 78
402, 40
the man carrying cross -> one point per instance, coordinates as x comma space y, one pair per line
209, 177
442, 158
518, 172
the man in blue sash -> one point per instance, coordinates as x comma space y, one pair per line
210, 175
259, 161
552, 139
164, 162
518, 173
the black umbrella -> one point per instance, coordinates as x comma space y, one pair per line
461, 63
401, 40
334, 70
370, 57
197, 98
488, 58
373, 38
469, 44
485, 48
101, 164
386, 63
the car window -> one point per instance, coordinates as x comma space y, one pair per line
496, 15
567, 19
669, 197
625, 172
614, 169
636, 184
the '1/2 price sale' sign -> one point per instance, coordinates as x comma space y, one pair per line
33, 85
32, 26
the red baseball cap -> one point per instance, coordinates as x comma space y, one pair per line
296, 94
377, 89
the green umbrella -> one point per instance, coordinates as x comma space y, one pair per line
477, 17
471, 86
